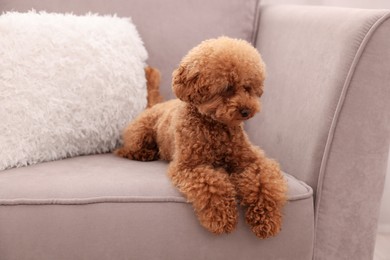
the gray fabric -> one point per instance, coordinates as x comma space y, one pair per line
325, 118
326, 115
105, 207
90, 178
357, 157
309, 52
169, 28
99, 178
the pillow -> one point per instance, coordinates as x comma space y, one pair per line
68, 85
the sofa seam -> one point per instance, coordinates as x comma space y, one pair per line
256, 22
308, 194
339, 108
119, 199
92, 200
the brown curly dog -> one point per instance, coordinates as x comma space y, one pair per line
212, 162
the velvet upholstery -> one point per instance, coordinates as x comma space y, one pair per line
325, 117
106, 207
357, 156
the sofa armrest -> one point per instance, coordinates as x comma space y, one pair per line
326, 115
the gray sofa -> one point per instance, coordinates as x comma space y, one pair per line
325, 118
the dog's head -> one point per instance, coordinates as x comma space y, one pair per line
223, 78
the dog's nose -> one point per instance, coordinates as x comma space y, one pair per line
245, 112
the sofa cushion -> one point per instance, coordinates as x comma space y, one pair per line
68, 84
102, 206
87, 179
99, 178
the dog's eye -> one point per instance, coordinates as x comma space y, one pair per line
248, 88
229, 90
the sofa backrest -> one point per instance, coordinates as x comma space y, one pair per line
169, 28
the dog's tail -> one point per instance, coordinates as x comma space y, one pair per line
153, 77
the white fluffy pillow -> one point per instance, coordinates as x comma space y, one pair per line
68, 85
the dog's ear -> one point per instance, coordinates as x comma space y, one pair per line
185, 83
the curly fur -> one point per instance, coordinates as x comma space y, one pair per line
212, 161
153, 78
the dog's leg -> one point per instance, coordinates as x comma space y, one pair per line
139, 141
211, 193
262, 190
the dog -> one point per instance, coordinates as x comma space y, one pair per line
212, 162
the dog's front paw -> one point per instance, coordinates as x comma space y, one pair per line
265, 220
220, 215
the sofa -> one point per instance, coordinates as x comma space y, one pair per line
325, 117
